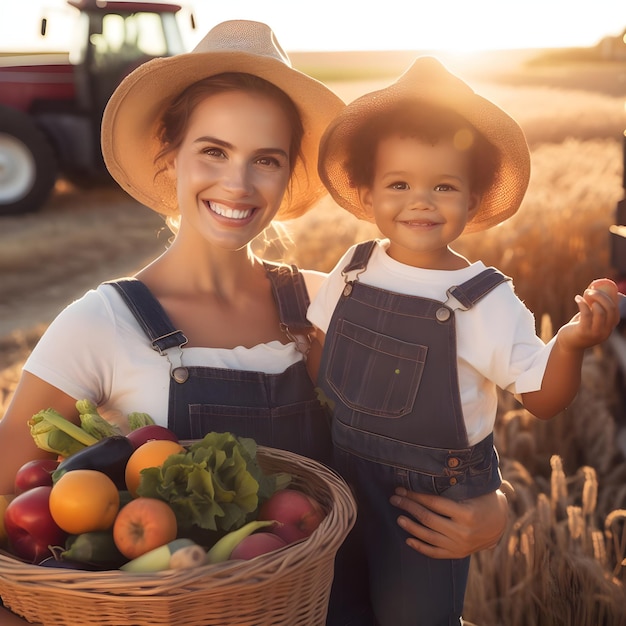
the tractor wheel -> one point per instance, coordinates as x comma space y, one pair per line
28, 164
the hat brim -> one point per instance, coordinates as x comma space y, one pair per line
428, 81
131, 118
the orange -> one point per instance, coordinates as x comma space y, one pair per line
142, 525
150, 454
83, 501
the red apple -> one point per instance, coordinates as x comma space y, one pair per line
140, 435
257, 544
298, 513
36, 473
29, 526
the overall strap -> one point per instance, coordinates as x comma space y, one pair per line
149, 313
291, 295
472, 290
360, 256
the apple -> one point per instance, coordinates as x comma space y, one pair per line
140, 435
36, 473
29, 525
299, 514
257, 544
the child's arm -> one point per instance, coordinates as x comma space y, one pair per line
598, 314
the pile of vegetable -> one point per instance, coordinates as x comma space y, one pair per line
101, 505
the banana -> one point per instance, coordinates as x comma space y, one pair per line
158, 559
223, 548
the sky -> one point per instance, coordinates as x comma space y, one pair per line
456, 25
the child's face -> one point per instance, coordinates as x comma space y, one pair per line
420, 199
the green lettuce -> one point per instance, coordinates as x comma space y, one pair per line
216, 485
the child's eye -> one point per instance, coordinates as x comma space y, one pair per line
445, 187
399, 186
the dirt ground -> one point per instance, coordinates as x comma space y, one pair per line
79, 239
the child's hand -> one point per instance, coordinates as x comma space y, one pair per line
598, 314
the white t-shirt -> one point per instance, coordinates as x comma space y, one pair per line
497, 344
96, 349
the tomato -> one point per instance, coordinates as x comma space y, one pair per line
142, 525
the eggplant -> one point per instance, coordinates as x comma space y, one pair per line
52, 561
109, 455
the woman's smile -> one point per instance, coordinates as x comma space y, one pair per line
228, 212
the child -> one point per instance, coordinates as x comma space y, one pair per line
416, 339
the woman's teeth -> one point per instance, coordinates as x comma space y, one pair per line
233, 214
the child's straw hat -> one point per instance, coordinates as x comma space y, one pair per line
428, 81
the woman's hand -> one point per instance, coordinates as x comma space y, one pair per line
451, 530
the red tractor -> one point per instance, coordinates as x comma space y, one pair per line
51, 105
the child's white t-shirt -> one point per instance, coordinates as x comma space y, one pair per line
497, 343
96, 349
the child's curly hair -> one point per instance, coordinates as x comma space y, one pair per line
424, 122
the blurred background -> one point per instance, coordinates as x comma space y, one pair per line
456, 25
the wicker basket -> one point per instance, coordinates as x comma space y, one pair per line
290, 586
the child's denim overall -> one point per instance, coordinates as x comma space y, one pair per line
389, 372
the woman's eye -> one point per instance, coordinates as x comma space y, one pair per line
213, 152
268, 161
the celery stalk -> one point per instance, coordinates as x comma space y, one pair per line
86, 406
61, 443
47, 420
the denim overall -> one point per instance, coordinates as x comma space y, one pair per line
277, 410
389, 371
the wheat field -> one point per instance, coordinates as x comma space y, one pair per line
560, 562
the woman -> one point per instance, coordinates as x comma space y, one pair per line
221, 141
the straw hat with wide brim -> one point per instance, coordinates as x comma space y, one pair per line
428, 81
131, 118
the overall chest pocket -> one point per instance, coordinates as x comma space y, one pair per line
301, 428
374, 373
